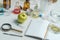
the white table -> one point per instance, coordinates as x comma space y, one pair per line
10, 19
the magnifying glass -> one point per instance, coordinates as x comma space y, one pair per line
7, 27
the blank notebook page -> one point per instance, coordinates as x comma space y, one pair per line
37, 28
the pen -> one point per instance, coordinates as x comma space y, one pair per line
12, 34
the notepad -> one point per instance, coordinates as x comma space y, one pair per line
37, 28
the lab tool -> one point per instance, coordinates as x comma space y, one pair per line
29, 11
44, 5
55, 14
1, 5
36, 7
17, 8
36, 11
26, 5
7, 27
52, 1
6, 4
35, 14
13, 35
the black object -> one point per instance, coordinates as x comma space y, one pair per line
20, 7
7, 25
10, 28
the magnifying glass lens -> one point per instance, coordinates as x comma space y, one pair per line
6, 27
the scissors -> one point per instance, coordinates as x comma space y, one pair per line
9, 27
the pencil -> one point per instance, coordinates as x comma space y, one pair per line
46, 33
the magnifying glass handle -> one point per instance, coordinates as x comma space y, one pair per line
17, 30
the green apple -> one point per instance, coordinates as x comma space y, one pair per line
22, 17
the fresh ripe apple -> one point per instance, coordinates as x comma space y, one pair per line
22, 17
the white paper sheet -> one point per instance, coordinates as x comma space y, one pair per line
37, 28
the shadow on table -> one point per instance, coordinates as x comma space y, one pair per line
36, 37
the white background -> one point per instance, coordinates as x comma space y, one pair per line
10, 19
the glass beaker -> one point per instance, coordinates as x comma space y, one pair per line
35, 14
44, 4
55, 14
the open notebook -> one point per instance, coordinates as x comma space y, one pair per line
37, 28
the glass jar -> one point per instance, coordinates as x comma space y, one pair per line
26, 5
6, 4
35, 14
